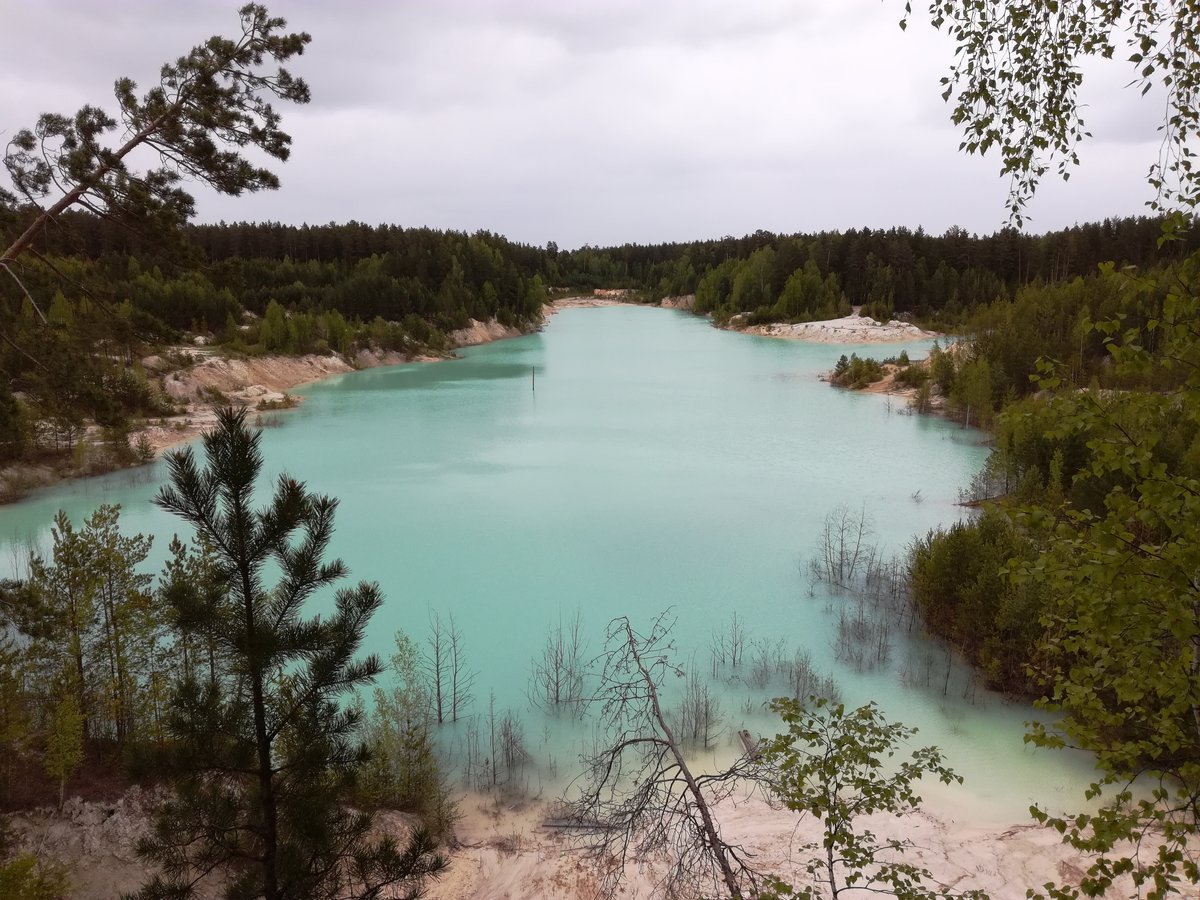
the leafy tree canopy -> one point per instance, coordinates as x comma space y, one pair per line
1016, 77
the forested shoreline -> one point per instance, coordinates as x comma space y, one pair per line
97, 298
403, 290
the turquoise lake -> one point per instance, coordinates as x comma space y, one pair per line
621, 462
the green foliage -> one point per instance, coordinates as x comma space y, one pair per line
89, 614
806, 296
273, 332
403, 770
972, 392
941, 369
28, 877
1108, 477
958, 586
64, 740
1123, 622
879, 310
15, 707
916, 376
208, 109
13, 434
61, 312
208, 106
751, 284
715, 287
192, 595
1017, 74
839, 766
856, 372
922, 400
264, 750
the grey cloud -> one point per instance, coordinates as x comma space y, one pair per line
592, 122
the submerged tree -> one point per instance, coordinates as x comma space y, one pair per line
264, 757
559, 670
404, 772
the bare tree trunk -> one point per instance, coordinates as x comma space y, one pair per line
436, 661
714, 841
461, 680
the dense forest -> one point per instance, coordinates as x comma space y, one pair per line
94, 297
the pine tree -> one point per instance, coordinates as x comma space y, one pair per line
62, 614
64, 739
131, 625
264, 757
88, 612
15, 708
207, 109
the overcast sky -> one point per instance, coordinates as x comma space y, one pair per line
596, 121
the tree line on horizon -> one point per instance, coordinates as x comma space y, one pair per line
99, 296
916, 270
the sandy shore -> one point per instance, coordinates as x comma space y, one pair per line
263, 383
585, 301
505, 852
846, 330
852, 329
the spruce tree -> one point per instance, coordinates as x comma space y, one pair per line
264, 758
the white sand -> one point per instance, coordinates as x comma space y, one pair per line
506, 853
586, 301
846, 330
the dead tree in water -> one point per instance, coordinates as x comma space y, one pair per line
445, 667
728, 648
637, 795
558, 674
843, 548
462, 680
436, 663
699, 715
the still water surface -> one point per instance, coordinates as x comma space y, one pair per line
621, 462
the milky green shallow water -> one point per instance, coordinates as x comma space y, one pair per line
659, 462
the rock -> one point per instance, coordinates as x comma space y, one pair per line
482, 333
686, 302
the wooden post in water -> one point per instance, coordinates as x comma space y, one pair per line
533, 378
